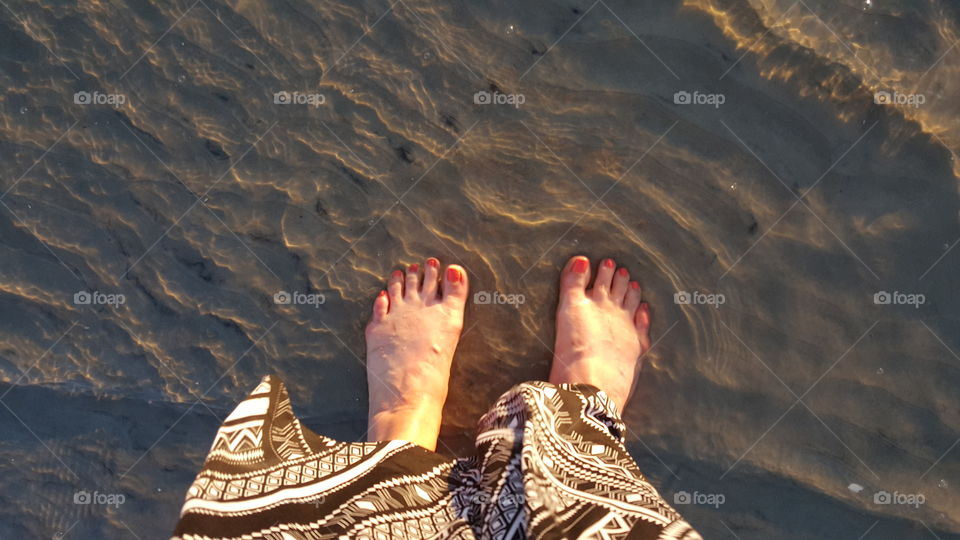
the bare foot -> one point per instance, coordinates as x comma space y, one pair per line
601, 332
411, 338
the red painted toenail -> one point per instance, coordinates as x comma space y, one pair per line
623, 272
634, 285
580, 266
609, 263
382, 294
453, 275
433, 262
397, 273
414, 268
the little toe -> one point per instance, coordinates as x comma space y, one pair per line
381, 306
642, 322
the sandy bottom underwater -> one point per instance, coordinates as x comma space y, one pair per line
188, 161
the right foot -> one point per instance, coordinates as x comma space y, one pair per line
411, 338
602, 332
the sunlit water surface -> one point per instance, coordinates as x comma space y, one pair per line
184, 187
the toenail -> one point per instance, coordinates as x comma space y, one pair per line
453, 275
433, 262
397, 273
414, 268
623, 272
645, 307
580, 266
609, 263
382, 294
634, 285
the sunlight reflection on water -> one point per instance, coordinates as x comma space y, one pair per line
261, 147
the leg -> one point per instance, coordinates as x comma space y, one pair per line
602, 332
411, 338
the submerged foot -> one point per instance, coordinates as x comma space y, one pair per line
602, 331
411, 338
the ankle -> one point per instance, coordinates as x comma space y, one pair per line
417, 423
614, 382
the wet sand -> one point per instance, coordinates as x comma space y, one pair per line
178, 182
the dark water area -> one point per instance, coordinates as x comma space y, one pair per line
781, 175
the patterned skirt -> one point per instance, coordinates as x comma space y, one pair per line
550, 463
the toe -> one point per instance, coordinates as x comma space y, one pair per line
642, 322
621, 281
632, 299
455, 286
395, 286
575, 276
381, 306
412, 284
431, 272
601, 286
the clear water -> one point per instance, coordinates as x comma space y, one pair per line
782, 186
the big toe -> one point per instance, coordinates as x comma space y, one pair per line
455, 286
575, 276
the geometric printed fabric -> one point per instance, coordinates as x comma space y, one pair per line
550, 463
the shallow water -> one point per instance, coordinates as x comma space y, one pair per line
189, 191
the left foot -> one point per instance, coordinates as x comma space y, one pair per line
411, 338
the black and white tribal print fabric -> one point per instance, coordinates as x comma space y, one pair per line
550, 463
